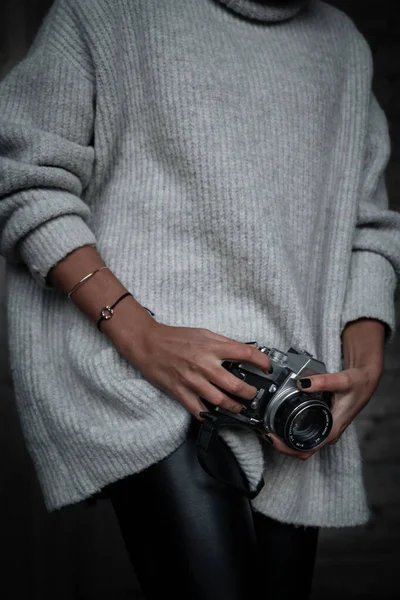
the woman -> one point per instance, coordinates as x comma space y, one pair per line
222, 163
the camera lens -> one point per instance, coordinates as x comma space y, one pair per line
307, 424
304, 421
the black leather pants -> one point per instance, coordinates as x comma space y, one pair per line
190, 536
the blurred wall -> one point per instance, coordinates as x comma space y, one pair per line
78, 553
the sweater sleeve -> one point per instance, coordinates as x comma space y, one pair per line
375, 260
46, 153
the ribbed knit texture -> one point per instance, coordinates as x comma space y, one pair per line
230, 171
264, 10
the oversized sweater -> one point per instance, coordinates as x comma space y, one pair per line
227, 161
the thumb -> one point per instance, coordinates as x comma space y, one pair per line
329, 382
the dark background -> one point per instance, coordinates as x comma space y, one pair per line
77, 553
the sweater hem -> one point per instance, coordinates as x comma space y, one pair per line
362, 519
79, 493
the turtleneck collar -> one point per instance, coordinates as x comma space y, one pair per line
267, 10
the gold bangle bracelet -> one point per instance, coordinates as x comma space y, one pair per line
83, 280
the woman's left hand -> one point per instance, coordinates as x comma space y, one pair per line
352, 390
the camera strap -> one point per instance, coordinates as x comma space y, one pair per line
205, 442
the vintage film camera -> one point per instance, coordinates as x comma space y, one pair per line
302, 420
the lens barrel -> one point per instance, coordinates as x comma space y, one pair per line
303, 421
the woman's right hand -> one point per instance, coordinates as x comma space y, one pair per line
185, 362
182, 361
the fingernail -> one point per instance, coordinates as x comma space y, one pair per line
305, 383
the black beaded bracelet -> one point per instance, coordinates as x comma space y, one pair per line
108, 311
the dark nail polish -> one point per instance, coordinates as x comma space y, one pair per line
305, 383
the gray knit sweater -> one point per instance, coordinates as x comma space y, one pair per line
227, 160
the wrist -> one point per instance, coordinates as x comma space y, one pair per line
129, 326
363, 345
99, 291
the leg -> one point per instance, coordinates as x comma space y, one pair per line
287, 554
187, 534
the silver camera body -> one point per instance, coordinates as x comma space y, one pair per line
302, 420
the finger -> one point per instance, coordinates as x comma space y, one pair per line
222, 338
281, 447
343, 381
191, 402
241, 351
236, 351
212, 394
230, 383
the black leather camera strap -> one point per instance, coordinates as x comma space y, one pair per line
205, 443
